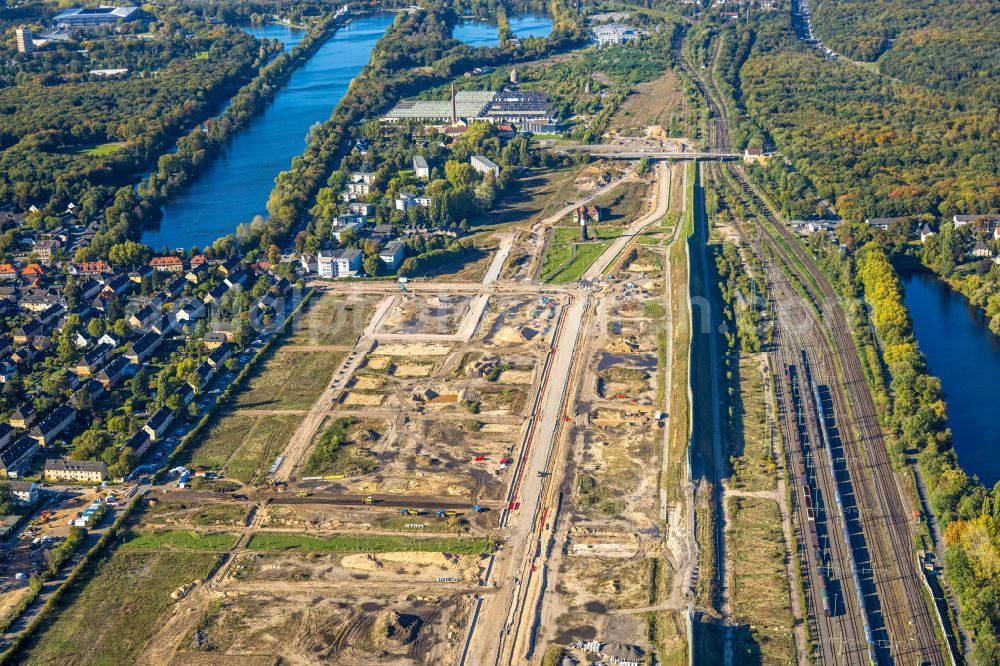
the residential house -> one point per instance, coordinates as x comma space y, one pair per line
88, 289
87, 395
94, 359
406, 201
214, 340
7, 370
26, 354
220, 355
45, 250
162, 326
52, 313
202, 375
175, 287
484, 165
981, 220
89, 471
339, 232
197, 274
168, 264
883, 222
139, 442
228, 266
30, 333
345, 220
981, 250
363, 209
140, 350
53, 425
88, 268
139, 273
359, 189
15, 458
7, 433
307, 263
225, 328
32, 272
25, 492
190, 311
325, 264
24, 416
347, 263
392, 254
7, 272
117, 285
755, 156
109, 339
215, 294
198, 260
144, 317
925, 233
420, 167
235, 278
158, 423
113, 373
364, 177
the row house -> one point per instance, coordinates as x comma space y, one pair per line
53, 425
167, 264
114, 372
94, 359
15, 457
139, 442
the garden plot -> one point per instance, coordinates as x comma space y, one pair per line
427, 314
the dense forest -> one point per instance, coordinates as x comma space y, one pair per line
944, 44
870, 145
65, 132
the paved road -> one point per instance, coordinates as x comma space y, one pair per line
625, 153
490, 630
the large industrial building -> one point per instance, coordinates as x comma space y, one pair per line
614, 34
95, 18
526, 109
25, 40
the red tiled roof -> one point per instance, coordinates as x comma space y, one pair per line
165, 261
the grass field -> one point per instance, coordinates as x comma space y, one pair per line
116, 608
333, 320
102, 149
366, 544
760, 582
179, 540
652, 103
560, 265
289, 380
243, 445
266, 439
752, 456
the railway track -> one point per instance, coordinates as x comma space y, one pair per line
898, 626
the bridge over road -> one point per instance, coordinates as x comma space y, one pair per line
612, 152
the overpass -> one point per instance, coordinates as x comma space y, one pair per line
627, 153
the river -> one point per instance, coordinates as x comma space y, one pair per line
484, 33
235, 187
962, 351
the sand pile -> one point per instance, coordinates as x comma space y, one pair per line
511, 335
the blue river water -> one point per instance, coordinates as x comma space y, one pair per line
962, 351
236, 186
484, 33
